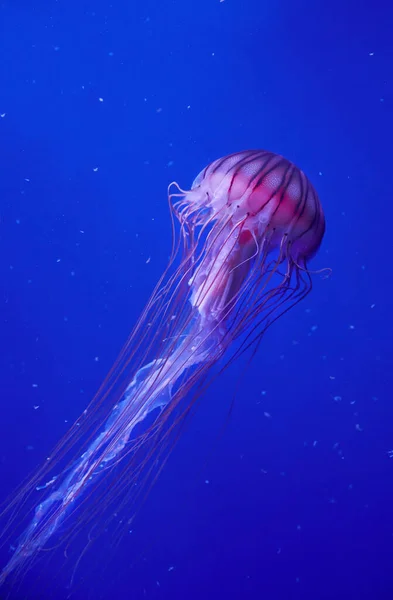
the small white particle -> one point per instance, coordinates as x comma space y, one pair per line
36, 406
34, 385
101, 99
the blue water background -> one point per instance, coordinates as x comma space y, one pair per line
104, 103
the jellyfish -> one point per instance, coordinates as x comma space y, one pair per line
243, 236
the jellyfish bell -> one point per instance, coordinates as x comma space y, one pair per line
261, 203
246, 231
266, 192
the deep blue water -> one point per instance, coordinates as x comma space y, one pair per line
104, 103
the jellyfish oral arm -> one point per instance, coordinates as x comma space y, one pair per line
214, 287
150, 390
